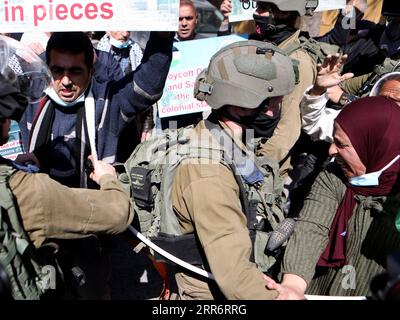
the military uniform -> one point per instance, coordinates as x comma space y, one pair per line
205, 198
50, 210
288, 129
353, 85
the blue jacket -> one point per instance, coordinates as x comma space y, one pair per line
119, 99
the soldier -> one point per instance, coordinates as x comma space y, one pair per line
242, 80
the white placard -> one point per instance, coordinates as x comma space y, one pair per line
88, 15
324, 5
242, 11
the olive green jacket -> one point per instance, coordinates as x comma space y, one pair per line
50, 210
288, 129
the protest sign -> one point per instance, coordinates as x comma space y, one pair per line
243, 10
13, 147
88, 15
324, 5
189, 59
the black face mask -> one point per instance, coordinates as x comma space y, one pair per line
264, 25
263, 125
271, 30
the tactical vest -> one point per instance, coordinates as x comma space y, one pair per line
150, 172
16, 250
315, 49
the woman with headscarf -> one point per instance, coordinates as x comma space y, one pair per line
346, 228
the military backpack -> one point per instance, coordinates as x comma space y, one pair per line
150, 173
17, 254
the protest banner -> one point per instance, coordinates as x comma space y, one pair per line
189, 59
243, 10
88, 15
13, 147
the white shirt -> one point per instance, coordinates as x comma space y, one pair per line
317, 119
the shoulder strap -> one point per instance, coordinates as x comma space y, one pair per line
317, 50
244, 169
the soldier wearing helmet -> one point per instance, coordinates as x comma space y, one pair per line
242, 80
277, 22
42, 212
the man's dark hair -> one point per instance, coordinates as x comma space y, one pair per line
73, 43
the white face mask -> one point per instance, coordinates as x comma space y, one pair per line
54, 96
120, 44
372, 178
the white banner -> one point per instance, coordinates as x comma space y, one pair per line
324, 5
88, 15
243, 10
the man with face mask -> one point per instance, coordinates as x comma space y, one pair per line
84, 113
36, 211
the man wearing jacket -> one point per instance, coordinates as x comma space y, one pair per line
84, 113
48, 211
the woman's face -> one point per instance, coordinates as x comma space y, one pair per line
346, 155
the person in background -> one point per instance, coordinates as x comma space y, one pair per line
186, 31
129, 55
187, 22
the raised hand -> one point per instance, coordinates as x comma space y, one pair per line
328, 74
226, 8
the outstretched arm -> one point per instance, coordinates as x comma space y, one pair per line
149, 77
225, 9
317, 119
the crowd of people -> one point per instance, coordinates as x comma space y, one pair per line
291, 185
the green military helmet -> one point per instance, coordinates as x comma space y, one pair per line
245, 74
303, 7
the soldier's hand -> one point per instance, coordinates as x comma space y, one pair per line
100, 168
